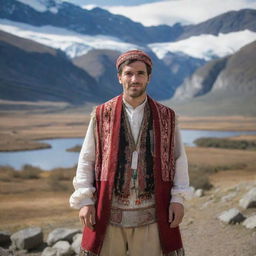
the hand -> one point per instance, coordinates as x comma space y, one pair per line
87, 216
176, 213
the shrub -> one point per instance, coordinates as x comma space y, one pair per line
28, 172
225, 143
6, 173
63, 173
199, 175
58, 176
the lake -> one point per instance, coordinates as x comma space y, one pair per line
57, 156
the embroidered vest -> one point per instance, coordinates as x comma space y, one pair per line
133, 202
108, 122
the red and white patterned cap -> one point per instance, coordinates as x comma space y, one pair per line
133, 55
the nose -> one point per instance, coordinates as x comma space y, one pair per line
135, 78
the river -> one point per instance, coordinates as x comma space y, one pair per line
57, 156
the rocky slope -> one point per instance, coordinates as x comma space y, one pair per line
223, 86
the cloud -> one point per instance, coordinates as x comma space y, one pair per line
183, 11
206, 46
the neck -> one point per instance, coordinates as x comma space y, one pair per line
135, 102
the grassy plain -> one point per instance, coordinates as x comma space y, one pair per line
20, 130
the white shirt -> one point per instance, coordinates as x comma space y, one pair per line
84, 179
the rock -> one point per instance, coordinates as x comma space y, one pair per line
199, 192
250, 222
228, 197
206, 204
4, 238
192, 189
231, 216
77, 243
4, 252
249, 199
64, 234
49, 251
63, 248
28, 238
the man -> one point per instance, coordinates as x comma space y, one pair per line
132, 173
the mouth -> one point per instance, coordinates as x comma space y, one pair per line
135, 86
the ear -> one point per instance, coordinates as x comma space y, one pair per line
119, 78
149, 78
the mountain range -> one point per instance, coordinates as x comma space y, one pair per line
57, 51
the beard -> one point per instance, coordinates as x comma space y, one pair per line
136, 92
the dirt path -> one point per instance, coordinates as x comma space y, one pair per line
204, 234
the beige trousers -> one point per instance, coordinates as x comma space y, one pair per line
140, 241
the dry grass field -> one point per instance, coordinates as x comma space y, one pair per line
224, 123
19, 130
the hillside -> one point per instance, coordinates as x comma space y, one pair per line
30, 71
225, 23
166, 75
221, 87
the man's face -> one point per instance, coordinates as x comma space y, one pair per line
134, 78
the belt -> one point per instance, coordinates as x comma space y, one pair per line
133, 217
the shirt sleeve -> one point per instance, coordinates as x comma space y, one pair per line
180, 189
84, 179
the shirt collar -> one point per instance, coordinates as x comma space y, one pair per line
140, 107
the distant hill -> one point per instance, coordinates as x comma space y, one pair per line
202, 80
225, 86
100, 64
166, 77
30, 71
225, 23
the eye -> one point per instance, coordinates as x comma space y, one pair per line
142, 73
128, 73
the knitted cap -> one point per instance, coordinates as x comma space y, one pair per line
133, 55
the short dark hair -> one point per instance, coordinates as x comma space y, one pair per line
128, 62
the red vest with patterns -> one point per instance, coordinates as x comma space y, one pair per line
108, 120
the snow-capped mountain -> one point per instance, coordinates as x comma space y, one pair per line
95, 34
73, 43
76, 31
87, 22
